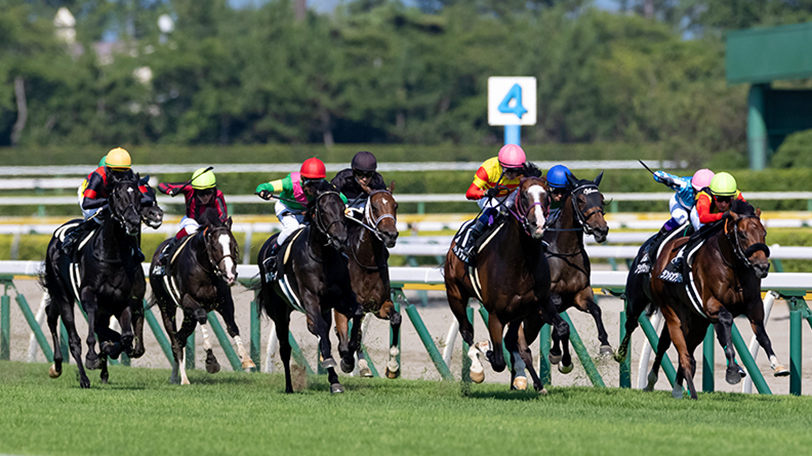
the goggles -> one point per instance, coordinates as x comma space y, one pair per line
363, 174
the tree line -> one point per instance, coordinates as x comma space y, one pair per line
374, 71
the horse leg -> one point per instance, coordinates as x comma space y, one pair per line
320, 325
74, 341
388, 312
585, 300
281, 318
678, 338
227, 311
168, 311
199, 314
662, 347
90, 304
458, 302
734, 372
557, 303
342, 325
527, 357
757, 324
125, 320
186, 329
495, 355
105, 375
635, 303
561, 333
53, 323
517, 373
137, 312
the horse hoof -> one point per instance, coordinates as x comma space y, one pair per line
619, 358
676, 393
249, 366
53, 372
347, 367
543, 392
606, 350
565, 369
520, 383
336, 388
366, 372
478, 377
212, 366
393, 374
554, 359
780, 371
92, 363
732, 375
84, 383
329, 363
185, 381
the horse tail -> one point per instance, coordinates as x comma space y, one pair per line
49, 279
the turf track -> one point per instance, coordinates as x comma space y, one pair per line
139, 413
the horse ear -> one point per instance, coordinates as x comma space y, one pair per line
572, 180
228, 223
597, 180
734, 216
758, 212
392, 187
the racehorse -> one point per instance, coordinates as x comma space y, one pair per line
512, 280
725, 282
198, 279
315, 278
581, 213
368, 240
106, 280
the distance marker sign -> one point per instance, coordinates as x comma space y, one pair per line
511, 101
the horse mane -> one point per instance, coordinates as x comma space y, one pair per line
742, 207
531, 170
210, 217
320, 186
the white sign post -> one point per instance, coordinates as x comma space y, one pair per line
512, 103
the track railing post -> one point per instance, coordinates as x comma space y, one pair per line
625, 380
795, 355
545, 371
708, 383
425, 337
256, 334
749, 362
651, 335
152, 322
32, 323
225, 344
5, 324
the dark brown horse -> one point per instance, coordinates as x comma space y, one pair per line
106, 280
315, 279
512, 280
581, 213
368, 240
725, 282
198, 280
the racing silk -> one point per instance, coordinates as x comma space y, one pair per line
98, 189
194, 208
706, 209
346, 183
487, 177
681, 185
290, 190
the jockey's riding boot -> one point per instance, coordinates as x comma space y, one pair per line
270, 263
163, 258
476, 232
74, 235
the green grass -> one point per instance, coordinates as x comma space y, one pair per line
235, 413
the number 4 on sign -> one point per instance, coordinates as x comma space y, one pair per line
515, 93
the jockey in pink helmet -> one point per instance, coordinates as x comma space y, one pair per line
494, 185
683, 201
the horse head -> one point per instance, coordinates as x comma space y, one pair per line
222, 249
532, 204
587, 203
125, 202
381, 215
326, 211
746, 234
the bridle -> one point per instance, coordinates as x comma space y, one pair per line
580, 216
131, 206
520, 212
208, 237
370, 222
743, 254
318, 217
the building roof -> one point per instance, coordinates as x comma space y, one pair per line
765, 54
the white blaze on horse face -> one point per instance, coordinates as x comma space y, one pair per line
225, 242
538, 195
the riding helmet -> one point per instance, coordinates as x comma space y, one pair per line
723, 184
364, 161
557, 176
203, 178
512, 156
702, 179
118, 158
313, 168
102, 162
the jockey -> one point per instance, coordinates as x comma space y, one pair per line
686, 188
714, 201
557, 181
116, 163
295, 191
494, 185
358, 181
201, 193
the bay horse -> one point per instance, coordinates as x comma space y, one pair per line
581, 213
368, 240
725, 282
106, 280
198, 279
512, 280
316, 275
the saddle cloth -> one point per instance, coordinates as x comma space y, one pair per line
73, 267
680, 268
461, 238
654, 246
280, 278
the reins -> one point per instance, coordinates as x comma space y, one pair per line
370, 223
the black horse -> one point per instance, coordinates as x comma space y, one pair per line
198, 279
106, 279
314, 279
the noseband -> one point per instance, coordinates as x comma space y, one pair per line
119, 217
318, 218
208, 236
370, 222
744, 255
582, 217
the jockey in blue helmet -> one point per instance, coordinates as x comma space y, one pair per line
557, 180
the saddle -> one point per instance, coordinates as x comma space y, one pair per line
680, 266
465, 230
273, 268
652, 248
